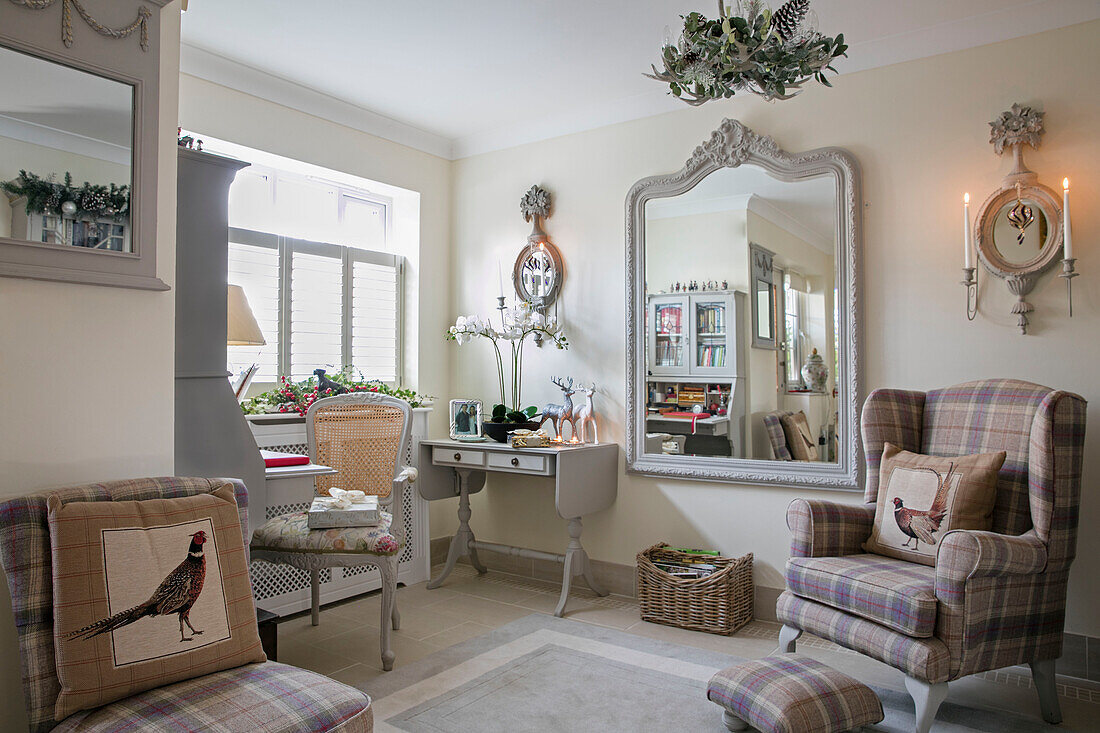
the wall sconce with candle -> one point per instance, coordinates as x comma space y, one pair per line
538, 271
1022, 227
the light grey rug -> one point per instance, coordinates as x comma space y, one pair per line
547, 674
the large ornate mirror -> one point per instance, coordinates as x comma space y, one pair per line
742, 340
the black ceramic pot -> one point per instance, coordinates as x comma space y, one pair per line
498, 431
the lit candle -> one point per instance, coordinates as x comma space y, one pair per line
1067, 236
968, 242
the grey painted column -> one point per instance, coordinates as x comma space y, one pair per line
212, 436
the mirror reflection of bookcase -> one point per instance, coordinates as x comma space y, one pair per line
696, 359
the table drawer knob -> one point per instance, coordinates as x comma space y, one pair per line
515, 461
458, 456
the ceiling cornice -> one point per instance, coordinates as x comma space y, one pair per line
1012, 22
212, 67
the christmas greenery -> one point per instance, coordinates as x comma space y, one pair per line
46, 196
768, 54
296, 397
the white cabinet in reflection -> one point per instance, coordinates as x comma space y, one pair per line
695, 344
696, 334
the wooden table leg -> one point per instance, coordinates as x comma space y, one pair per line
460, 543
576, 563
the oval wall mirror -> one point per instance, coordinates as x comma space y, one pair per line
736, 371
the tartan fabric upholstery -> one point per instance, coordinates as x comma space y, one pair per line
985, 417
927, 659
898, 594
789, 693
773, 426
889, 416
1000, 594
822, 528
25, 555
256, 698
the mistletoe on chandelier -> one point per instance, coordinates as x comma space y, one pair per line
748, 48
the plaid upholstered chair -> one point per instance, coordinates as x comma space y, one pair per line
777, 437
263, 698
994, 599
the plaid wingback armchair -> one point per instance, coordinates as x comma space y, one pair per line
261, 698
994, 599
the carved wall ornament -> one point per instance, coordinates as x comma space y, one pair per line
1019, 229
140, 23
538, 271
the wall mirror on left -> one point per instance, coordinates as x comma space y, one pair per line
65, 155
80, 131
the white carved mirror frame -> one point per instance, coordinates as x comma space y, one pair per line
86, 43
730, 146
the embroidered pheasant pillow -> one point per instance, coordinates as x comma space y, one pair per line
146, 593
921, 498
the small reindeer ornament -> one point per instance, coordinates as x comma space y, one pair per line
586, 415
558, 415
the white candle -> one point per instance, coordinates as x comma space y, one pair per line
968, 243
500, 277
1067, 235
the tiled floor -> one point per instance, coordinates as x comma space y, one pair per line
345, 644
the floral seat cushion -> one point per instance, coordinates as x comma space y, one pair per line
289, 533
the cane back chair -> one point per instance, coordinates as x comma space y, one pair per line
363, 436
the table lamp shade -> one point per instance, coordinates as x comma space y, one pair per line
242, 329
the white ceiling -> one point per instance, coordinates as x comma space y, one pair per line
460, 78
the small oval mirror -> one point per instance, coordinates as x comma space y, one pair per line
1020, 231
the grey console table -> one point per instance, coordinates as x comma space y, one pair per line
585, 481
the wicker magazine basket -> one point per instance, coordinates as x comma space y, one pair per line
718, 604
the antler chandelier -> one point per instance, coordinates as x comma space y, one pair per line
748, 48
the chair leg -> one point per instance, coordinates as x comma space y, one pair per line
396, 616
388, 571
926, 700
315, 596
788, 635
732, 722
1043, 675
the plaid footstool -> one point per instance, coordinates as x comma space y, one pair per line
789, 693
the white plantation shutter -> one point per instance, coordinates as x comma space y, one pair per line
375, 300
256, 269
316, 313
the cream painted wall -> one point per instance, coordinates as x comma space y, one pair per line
246, 120
702, 247
87, 373
920, 132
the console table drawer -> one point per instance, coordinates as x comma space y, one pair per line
520, 463
458, 457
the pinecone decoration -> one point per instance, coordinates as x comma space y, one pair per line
786, 20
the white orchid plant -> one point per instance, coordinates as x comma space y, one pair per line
517, 323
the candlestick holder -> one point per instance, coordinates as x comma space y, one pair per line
970, 280
1068, 273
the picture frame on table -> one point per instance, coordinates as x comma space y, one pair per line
465, 420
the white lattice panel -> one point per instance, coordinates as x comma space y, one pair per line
283, 589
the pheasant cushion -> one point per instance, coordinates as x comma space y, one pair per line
921, 498
147, 593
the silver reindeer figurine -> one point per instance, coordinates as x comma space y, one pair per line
558, 415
